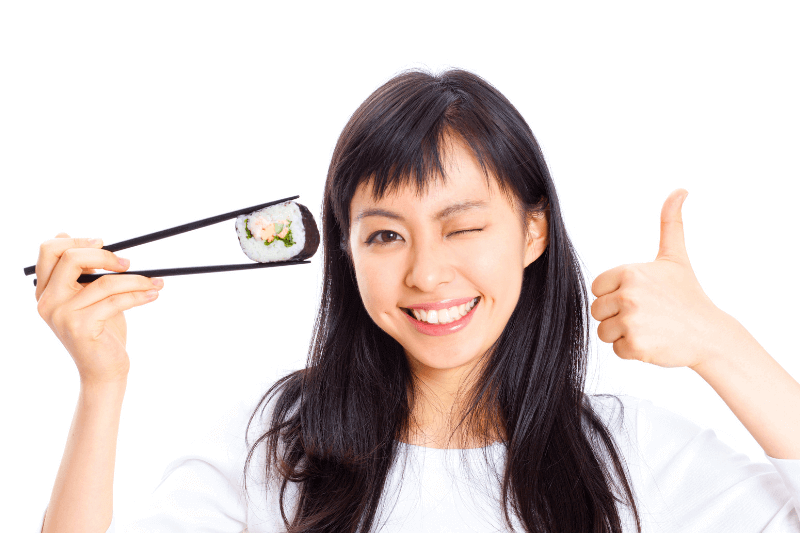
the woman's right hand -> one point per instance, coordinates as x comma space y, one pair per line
88, 319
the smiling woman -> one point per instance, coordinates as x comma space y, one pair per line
438, 197
454, 320
460, 244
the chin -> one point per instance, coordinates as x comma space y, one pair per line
444, 360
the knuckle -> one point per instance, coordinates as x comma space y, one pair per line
70, 255
58, 317
634, 344
111, 258
103, 283
626, 275
46, 246
120, 300
627, 299
629, 274
601, 332
43, 307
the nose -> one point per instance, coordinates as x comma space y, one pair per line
430, 267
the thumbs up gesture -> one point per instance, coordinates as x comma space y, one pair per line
657, 312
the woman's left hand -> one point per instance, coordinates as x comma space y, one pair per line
657, 312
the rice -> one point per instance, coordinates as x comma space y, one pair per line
302, 231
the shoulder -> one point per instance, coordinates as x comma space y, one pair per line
227, 440
652, 433
642, 426
617, 412
625, 411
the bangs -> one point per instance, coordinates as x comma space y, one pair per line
419, 165
402, 135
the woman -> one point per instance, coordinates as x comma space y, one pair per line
453, 324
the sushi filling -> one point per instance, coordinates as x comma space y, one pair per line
442, 316
269, 231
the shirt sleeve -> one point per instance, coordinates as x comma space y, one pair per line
197, 493
203, 490
692, 481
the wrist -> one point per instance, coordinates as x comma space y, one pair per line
728, 342
106, 389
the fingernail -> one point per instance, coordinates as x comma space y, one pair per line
124, 262
158, 282
151, 294
95, 242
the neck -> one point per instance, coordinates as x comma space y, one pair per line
441, 398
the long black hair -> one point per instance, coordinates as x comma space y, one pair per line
334, 426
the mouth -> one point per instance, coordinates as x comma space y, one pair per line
443, 315
438, 322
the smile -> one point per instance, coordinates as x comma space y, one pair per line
444, 320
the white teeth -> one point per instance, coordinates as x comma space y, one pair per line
444, 316
454, 314
433, 317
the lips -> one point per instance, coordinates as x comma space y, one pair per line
444, 304
437, 330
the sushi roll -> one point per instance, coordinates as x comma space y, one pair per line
281, 232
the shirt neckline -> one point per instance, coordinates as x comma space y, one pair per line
428, 449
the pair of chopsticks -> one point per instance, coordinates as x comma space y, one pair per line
177, 230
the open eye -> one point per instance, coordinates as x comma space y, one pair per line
384, 237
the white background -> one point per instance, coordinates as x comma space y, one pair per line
122, 119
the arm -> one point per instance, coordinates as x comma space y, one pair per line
89, 322
658, 313
762, 395
82, 497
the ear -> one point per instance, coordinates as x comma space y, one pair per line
537, 238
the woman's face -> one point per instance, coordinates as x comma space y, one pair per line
434, 256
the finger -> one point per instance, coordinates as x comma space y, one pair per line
608, 281
87, 271
623, 349
117, 303
51, 251
672, 244
103, 287
74, 260
605, 307
610, 330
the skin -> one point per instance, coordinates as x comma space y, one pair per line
657, 313
89, 322
405, 253
652, 312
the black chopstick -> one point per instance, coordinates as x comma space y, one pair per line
157, 273
177, 230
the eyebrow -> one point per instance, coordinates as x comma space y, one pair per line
447, 212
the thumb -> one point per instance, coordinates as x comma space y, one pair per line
672, 244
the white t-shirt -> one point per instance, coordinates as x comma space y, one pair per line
683, 477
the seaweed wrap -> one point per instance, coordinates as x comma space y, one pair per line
282, 232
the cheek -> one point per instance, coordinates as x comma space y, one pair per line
374, 284
498, 273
